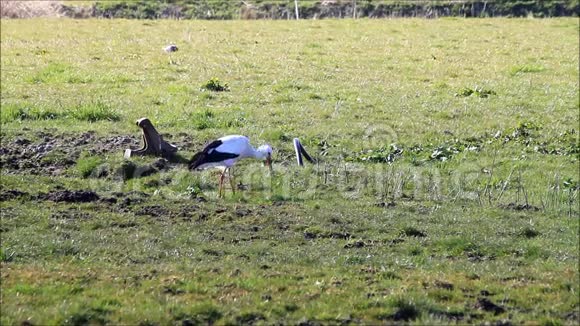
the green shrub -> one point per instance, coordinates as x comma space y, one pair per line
207, 119
59, 73
204, 120
12, 112
87, 164
215, 85
94, 111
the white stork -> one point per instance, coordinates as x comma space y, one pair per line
170, 49
224, 152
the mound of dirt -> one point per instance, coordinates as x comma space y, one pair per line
153, 210
11, 194
53, 153
487, 305
75, 196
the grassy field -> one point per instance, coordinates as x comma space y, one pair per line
446, 188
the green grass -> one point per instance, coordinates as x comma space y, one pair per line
90, 112
446, 189
86, 165
93, 112
526, 69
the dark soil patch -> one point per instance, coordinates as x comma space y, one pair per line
186, 212
487, 305
172, 290
310, 235
53, 153
109, 200
386, 204
154, 210
394, 241
161, 164
250, 318
220, 210
413, 232
332, 235
201, 217
75, 196
11, 194
243, 212
255, 228
406, 312
130, 198
529, 233
356, 244
308, 322
520, 207
115, 143
22, 141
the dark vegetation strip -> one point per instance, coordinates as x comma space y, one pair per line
308, 9
525, 134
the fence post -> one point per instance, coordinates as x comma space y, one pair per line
296, 8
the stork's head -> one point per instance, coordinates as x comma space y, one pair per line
170, 48
265, 153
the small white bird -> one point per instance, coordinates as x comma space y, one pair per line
224, 152
170, 49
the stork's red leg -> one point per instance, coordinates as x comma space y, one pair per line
232, 183
221, 183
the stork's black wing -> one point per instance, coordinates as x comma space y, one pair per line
210, 154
